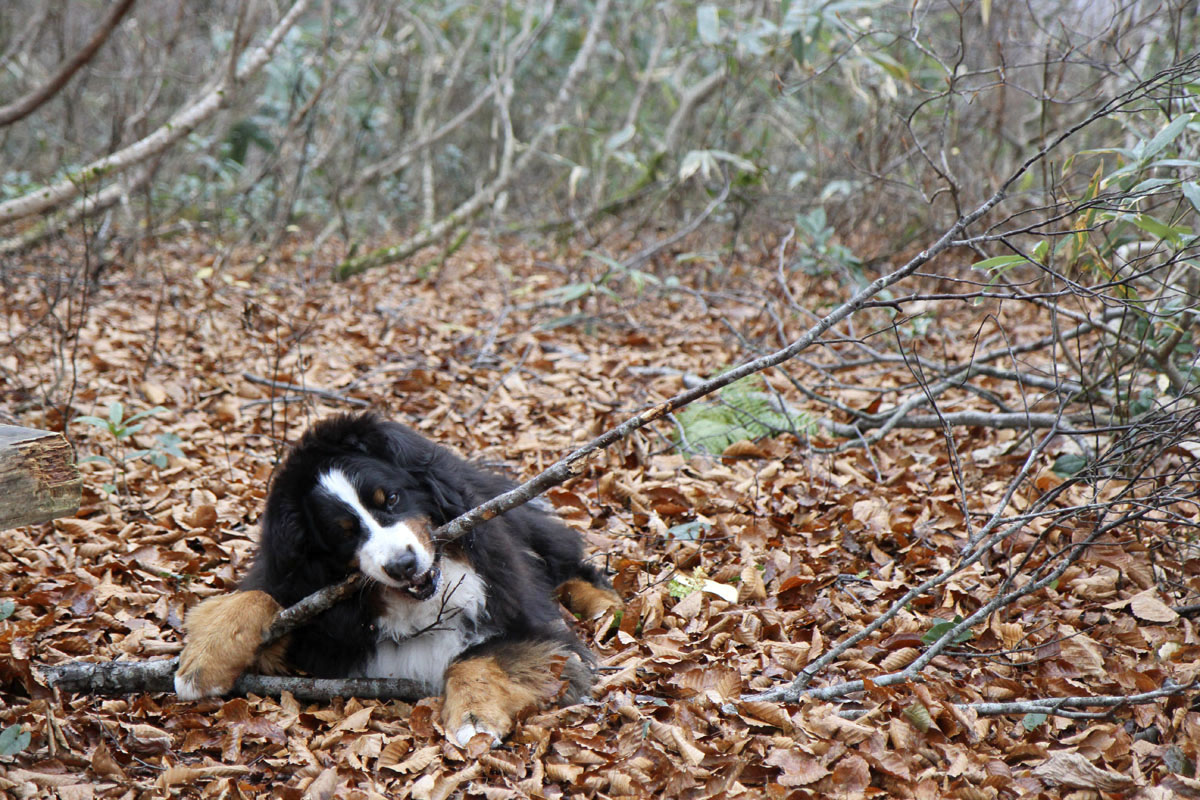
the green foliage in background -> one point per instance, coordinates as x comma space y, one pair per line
742, 410
884, 114
120, 430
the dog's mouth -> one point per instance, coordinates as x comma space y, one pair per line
424, 585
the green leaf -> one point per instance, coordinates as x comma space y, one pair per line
999, 262
940, 629
1033, 720
890, 65
94, 421
682, 585
1068, 464
7, 607
115, 412
94, 459
1143, 403
573, 291
1191, 190
1158, 228
149, 412
1150, 184
169, 442
742, 410
611, 263
797, 47
620, 138
1166, 135
708, 24
13, 740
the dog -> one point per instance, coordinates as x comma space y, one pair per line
476, 619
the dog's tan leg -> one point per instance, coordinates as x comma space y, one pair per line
588, 600
223, 637
485, 694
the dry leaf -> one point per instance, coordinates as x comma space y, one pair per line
1147, 606
323, 785
417, 761
1072, 769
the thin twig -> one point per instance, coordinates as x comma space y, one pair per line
291, 387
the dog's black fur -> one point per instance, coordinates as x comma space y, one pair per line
522, 556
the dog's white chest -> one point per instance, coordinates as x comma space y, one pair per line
418, 640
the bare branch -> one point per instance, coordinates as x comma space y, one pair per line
135, 677
291, 387
175, 129
486, 195
24, 106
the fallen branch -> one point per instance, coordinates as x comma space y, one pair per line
1062, 706
134, 677
291, 387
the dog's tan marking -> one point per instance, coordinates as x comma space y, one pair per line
421, 529
223, 638
486, 694
587, 600
379, 497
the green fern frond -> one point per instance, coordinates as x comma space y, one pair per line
742, 410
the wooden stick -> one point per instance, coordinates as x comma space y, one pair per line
291, 387
134, 677
124, 677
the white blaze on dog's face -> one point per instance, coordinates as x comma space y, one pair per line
389, 553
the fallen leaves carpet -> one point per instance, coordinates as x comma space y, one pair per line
738, 570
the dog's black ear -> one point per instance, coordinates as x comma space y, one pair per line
436, 473
280, 548
445, 479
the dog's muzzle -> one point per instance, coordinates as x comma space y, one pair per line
423, 586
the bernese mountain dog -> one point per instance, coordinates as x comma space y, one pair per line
476, 619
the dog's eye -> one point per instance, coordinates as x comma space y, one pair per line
392, 500
347, 524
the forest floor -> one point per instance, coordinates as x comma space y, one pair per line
482, 355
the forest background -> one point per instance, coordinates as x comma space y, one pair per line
936, 534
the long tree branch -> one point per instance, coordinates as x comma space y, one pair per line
131, 677
24, 106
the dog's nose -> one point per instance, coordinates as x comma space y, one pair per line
402, 567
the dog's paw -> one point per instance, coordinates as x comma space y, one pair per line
471, 728
483, 697
223, 637
190, 686
588, 600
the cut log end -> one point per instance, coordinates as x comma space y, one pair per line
38, 479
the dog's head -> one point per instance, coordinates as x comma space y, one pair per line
359, 492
